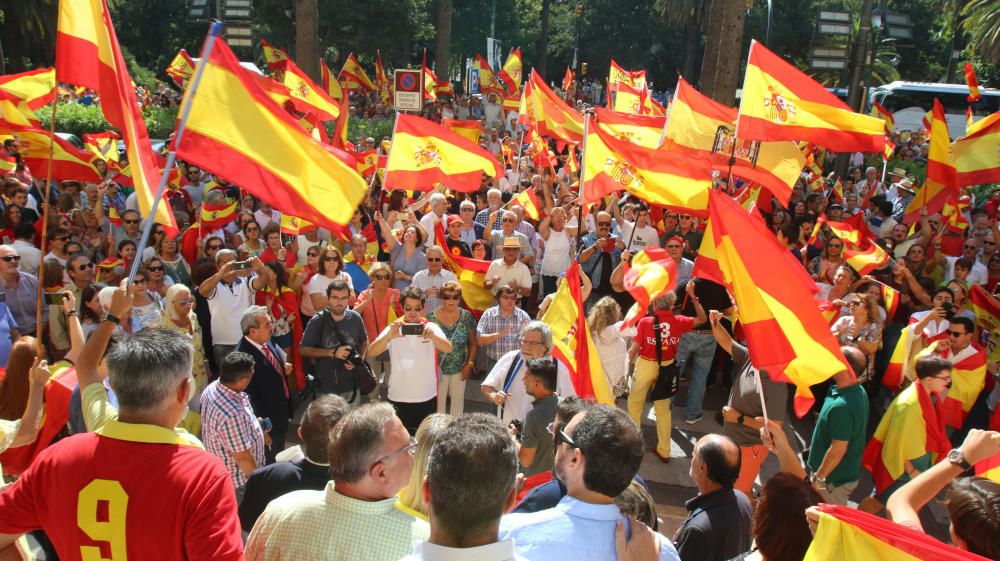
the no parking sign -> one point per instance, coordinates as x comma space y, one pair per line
409, 90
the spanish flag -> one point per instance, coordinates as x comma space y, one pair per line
330, 86
784, 329
113, 217
706, 265
424, 153
975, 153
15, 112
567, 80
181, 69
228, 118
848, 533
471, 275
651, 274
57, 394
430, 80
899, 361
658, 177
953, 213
537, 149
942, 178
216, 216
627, 100
911, 427
104, 145
891, 298
968, 378
68, 161
548, 113
353, 73
469, 129
878, 110
528, 201
987, 310
273, 55
511, 72
970, 80
306, 95
866, 257
644, 130
635, 79
8, 164
780, 102
488, 82
383, 85
36, 87
339, 139
293, 225
573, 342
989, 468
694, 122
87, 54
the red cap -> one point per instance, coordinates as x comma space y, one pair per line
454, 219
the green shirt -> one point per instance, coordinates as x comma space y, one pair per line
844, 417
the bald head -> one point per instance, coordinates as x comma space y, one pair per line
718, 457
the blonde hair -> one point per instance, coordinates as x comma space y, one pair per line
168, 300
870, 306
412, 495
604, 313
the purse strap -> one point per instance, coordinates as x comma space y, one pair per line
659, 340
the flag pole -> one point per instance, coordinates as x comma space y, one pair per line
213, 33
388, 154
583, 155
45, 223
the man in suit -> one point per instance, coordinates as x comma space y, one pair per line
269, 389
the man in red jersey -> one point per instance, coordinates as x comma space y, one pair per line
136, 488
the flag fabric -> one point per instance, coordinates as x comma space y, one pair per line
36, 87
891, 298
273, 55
339, 139
940, 168
68, 161
886, 154
536, 148
780, 102
8, 164
572, 340
352, 73
293, 225
987, 310
968, 378
785, 332
541, 108
314, 126
706, 264
488, 82
469, 129
932, 196
969, 117
214, 217
635, 79
104, 145
693, 124
953, 213
911, 427
181, 69
330, 85
88, 54
662, 178
879, 110
644, 130
848, 533
15, 112
866, 257
471, 275
306, 96
383, 85
567, 80
444, 86
899, 361
510, 74
57, 393
430, 81
990, 467
976, 158
425, 153
651, 274
528, 201
626, 99
970, 79
113, 217
228, 118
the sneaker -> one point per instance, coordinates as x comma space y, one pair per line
693, 421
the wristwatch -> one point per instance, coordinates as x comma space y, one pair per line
741, 418
956, 457
113, 319
817, 479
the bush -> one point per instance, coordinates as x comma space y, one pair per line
79, 119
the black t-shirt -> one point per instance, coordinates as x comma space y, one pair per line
459, 247
713, 296
322, 332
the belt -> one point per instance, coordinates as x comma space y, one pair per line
701, 331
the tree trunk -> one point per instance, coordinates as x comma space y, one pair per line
713, 45
307, 37
442, 39
692, 46
957, 42
543, 39
727, 67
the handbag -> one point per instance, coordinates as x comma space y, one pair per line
668, 381
364, 379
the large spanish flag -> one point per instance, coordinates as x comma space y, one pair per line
644, 130
976, 156
910, 428
353, 73
572, 340
16, 112
231, 113
785, 331
780, 102
968, 378
548, 113
511, 72
987, 310
663, 178
940, 167
694, 124
424, 153
87, 54
35, 87
706, 265
306, 95
469, 129
848, 533
471, 275
68, 161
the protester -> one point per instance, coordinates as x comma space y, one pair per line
428, 434
534, 449
459, 327
269, 390
335, 339
229, 292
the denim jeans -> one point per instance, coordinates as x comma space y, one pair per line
699, 350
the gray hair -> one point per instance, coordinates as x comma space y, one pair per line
511, 213
494, 192
359, 238
543, 330
467, 203
249, 318
168, 300
215, 197
221, 252
357, 440
435, 249
147, 367
666, 301
438, 198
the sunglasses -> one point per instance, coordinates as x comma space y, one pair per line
381, 277
84, 266
154, 269
131, 221
434, 259
337, 259
412, 308
969, 247
214, 247
9, 258
955, 334
558, 436
853, 304
449, 297
603, 224
185, 301
253, 230
138, 281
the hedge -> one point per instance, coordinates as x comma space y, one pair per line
78, 119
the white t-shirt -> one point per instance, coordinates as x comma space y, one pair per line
518, 273
428, 221
319, 283
978, 275
518, 401
645, 236
227, 304
414, 367
558, 256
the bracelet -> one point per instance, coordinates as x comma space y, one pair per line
71, 313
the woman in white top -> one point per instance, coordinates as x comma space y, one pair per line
146, 304
605, 320
331, 268
559, 247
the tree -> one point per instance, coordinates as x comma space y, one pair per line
543, 38
442, 38
307, 37
28, 32
982, 22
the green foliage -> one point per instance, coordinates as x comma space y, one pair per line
982, 22
153, 31
375, 128
79, 119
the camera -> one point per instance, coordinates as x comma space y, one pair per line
241, 265
518, 426
949, 310
54, 298
411, 329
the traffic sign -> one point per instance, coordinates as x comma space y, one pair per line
409, 91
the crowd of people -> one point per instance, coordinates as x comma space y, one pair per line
191, 373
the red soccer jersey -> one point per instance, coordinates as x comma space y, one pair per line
671, 329
128, 490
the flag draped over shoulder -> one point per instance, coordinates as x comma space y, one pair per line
231, 114
784, 329
572, 340
471, 275
780, 102
644, 130
35, 87
968, 378
424, 153
911, 427
658, 177
977, 160
548, 113
848, 533
987, 310
88, 54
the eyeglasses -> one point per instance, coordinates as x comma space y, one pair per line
185, 301
337, 259
131, 221
381, 277
409, 448
853, 304
508, 220
154, 269
969, 247
943, 378
434, 259
253, 230
84, 266
138, 281
449, 297
603, 224
412, 308
558, 436
531, 343
214, 247
684, 216
467, 210
955, 334
9, 258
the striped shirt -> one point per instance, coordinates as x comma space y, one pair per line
228, 425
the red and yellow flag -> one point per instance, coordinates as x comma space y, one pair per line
866, 257
651, 274
572, 339
970, 79
968, 378
626, 99
273, 55
424, 153
104, 145
469, 129
987, 310
430, 81
706, 265
35, 87
68, 161
511, 72
878, 110
953, 214
541, 108
8, 164
228, 118
339, 139
567, 80
181, 69
784, 329
471, 275
780, 102
293, 225
352, 73
940, 167
488, 82
217, 216
634, 79
910, 428
15, 112
306, 95
88, 54
529, 202
644, 130
663, 178
383, 85
330, 85
891, 298
976, 158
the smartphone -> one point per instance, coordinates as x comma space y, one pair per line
266, 424
241, 265
412, 329
54, 298
402, 216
